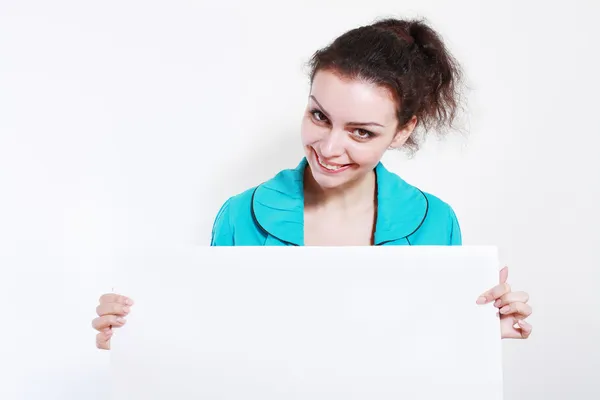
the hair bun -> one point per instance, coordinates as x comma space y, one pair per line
402, 28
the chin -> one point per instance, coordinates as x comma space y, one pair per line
327, 182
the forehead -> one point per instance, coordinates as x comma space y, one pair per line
353, 99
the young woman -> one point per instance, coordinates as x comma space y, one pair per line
371, 89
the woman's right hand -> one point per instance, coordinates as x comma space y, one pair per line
111, 314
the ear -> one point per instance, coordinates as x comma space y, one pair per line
402, 135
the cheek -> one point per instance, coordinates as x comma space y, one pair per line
309, 132
366, 154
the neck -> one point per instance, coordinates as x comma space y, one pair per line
353, 194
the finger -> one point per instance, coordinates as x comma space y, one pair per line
494, 293
103, 340
116, 298
108, 321
503, 275
526, 328
498, 290
511, 297
521, 309
112, 308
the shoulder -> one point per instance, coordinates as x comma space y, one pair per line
224, 229
410, 213
243, 217
437, 207
284, 182
237, 203
440, 224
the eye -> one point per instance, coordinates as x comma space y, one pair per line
318, 115
362, 134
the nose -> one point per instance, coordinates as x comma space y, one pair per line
332, 145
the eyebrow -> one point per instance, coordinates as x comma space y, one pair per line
349, 123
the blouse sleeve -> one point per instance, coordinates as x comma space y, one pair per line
222, 232
455, 232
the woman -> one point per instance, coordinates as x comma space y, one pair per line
370, 89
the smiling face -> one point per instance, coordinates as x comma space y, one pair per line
347, 127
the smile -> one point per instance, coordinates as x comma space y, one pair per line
331, 168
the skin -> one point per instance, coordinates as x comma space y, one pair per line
340, 208
347, 123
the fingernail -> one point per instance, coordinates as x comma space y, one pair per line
129, 302
121, 320
504, 309
497, 303
126, 310
481, 300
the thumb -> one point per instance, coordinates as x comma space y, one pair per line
503, 275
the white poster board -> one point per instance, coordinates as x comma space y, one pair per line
302, 323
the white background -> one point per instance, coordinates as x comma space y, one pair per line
121, 122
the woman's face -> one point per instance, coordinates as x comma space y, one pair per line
347, 127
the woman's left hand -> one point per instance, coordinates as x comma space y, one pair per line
513, 308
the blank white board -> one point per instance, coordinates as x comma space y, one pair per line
308, 323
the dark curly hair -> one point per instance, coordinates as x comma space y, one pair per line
407, 57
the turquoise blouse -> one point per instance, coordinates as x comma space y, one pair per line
272, 214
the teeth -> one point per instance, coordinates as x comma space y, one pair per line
329, 167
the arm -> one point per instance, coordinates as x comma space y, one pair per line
455, 232
222, 232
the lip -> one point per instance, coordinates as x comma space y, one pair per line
328, 171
